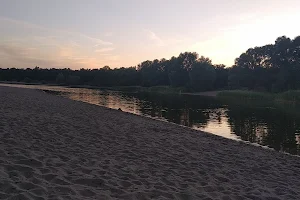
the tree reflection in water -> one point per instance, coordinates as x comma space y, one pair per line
277, 127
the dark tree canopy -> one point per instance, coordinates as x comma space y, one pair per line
273, 67
202, 75
178, 69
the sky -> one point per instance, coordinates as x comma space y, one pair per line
122, 33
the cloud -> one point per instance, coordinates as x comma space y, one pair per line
24, 29
12, 56
24, 44
96, 40
16, 55
102, 50
23, 23
114, 58
41, 30
157, 40
171, 41
74, 44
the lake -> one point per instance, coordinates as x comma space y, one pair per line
277, 128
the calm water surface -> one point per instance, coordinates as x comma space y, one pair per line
278, 128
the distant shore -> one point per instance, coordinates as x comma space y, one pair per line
52, 148
208, 93
155, 89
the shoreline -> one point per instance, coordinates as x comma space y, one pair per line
164, 120
93, 152
190, 128
118, 88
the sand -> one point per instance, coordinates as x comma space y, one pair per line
56, 148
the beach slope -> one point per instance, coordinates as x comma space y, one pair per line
56, 148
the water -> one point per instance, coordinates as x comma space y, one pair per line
278, 128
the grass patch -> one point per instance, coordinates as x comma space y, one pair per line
260, 99
292, 96
163, 89
245, 95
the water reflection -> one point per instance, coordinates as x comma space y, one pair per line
267, 126
277, 128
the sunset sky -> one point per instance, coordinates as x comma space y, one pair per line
122, 33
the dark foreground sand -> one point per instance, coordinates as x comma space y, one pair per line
55, 148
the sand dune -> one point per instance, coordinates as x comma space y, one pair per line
55, 148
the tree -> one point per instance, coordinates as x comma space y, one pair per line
153, 72
273, 67
202, 74
73, 80
179, 67
27, 80
60, 78
221, 81
106, 67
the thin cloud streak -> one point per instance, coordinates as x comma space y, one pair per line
34, 26
104, 50
153, 37
49, 48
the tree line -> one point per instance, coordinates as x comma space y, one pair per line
273, 67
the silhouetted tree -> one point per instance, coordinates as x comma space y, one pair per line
202, 75
153, 72
60, 78
73, 80
273, 67
178, 68
221, 81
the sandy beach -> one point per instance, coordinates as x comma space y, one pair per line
56, 148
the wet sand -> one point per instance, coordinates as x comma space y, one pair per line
56, 148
